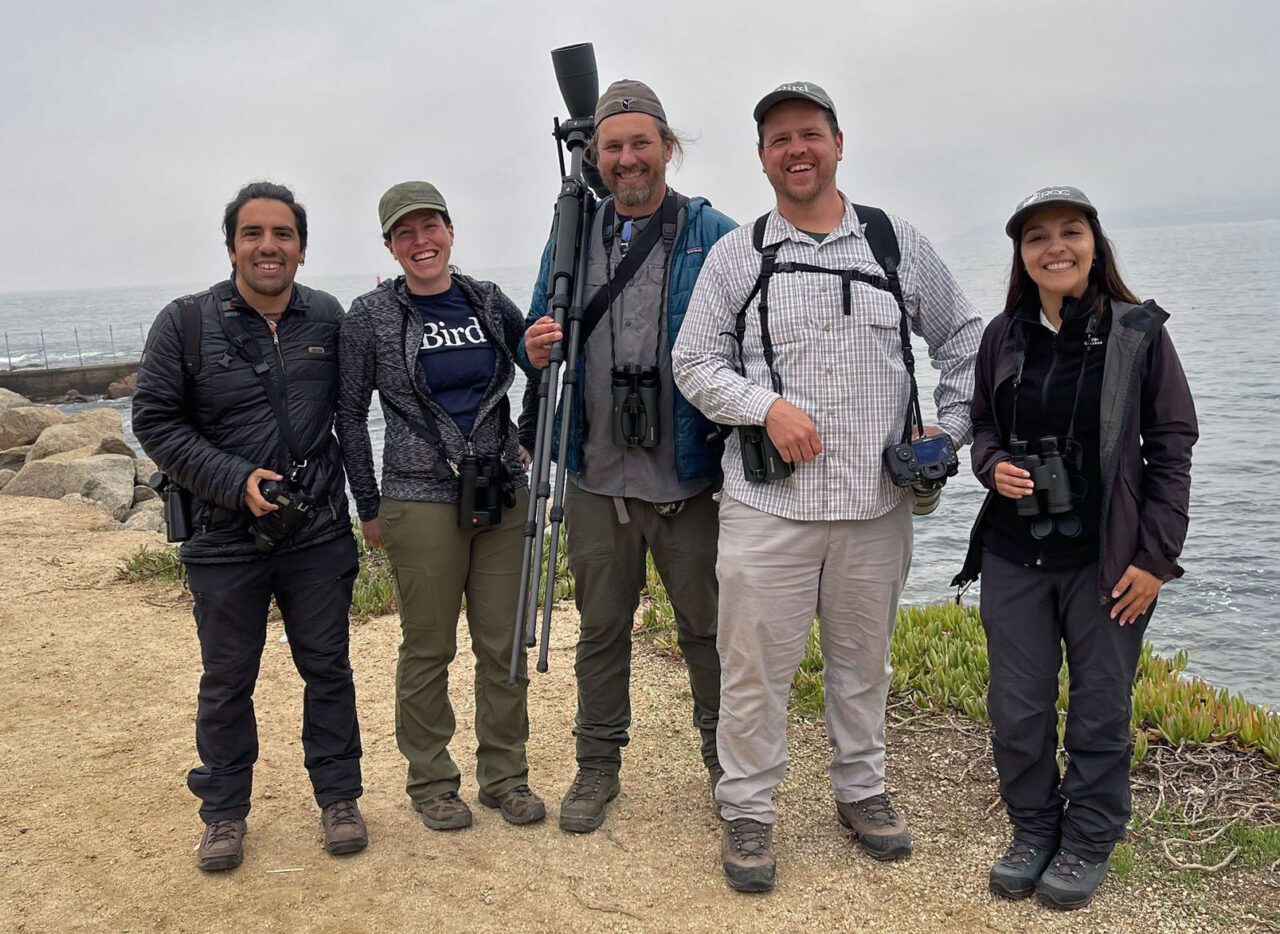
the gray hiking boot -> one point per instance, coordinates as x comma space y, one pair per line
582, 809
1015, 874
221, 845
746, 853
445, 811
518, 805
1069, 882
877, 826
344, 830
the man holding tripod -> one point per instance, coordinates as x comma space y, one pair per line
818, 526
641, 478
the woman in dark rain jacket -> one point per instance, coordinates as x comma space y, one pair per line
1083, 428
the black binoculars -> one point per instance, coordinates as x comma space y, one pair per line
481, 482
177, 506
1050, 506
635, 406
295, 505
761, 461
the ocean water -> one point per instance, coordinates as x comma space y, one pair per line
1221, 287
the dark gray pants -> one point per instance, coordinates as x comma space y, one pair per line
607, 558
1029, 614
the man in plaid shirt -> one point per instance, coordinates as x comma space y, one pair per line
835, 537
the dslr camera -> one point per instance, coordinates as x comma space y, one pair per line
924, 465
295, 503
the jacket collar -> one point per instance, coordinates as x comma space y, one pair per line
229, 296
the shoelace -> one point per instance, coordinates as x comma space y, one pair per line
343, 812
1020, 854
586, 785
522, 791
878, 810
1066, 865
220, 830
750, 838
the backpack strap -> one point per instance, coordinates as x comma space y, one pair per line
189, 323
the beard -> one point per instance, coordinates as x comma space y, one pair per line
636, 192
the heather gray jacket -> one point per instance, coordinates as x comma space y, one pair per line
381, 336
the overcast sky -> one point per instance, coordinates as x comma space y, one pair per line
125, 127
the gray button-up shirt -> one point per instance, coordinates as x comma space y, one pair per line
845, 371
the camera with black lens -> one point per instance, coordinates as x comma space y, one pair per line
924, 465
482, 480
635, 405
1050, 506
761, 460
177, 506
295, 505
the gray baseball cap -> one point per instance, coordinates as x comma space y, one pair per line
406, 197
794, 90
1043, 198
629, 96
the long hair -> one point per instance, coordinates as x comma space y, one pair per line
1104, 275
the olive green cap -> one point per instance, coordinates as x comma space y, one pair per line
407, 197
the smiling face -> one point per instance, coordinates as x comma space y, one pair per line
422, 242
267, 250
632, 158
799, 152
1057, 249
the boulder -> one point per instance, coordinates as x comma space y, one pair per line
106, 420
146, 517
48, 479
72, 435
22, 424
14, 458
142, 471
123, 388
108, 482
73, 396
143, 494
9, 398
6, 476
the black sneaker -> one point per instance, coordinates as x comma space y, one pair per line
1069, 882
1015, 874
746, 853
582, 809
877, 826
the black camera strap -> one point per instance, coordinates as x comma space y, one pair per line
664, 230
237, 332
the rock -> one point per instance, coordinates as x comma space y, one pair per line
108, 482
22, 424
6, 476
9, 398
107, 421
123, 388
146, 517
47, 478
72, 435
14, 458
143, 494
73, 396
142, 471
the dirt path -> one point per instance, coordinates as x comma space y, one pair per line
97, 697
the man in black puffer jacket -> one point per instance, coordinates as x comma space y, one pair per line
203, 413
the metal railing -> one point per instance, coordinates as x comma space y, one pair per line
102, 346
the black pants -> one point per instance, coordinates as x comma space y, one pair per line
313, 589
1029, 614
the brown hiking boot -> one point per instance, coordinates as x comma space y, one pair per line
344, 830
518, 805
746, 853
444, 812
582, 809
222, 845
881, 830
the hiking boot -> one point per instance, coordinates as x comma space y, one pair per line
582, 809
445, 811
344, 830
518, 805
714, 774
746, 853
1014, 875
222, 845
1069, 882
878, 828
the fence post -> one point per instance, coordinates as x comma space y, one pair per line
142, 337
112, 334
44, 349
76, 330
7, 352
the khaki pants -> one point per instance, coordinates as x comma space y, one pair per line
436, 564
775, 575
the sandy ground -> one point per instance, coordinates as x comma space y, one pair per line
97, 699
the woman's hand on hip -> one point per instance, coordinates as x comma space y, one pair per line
1011, 481
1134, 594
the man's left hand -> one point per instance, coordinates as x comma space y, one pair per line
1134, 594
